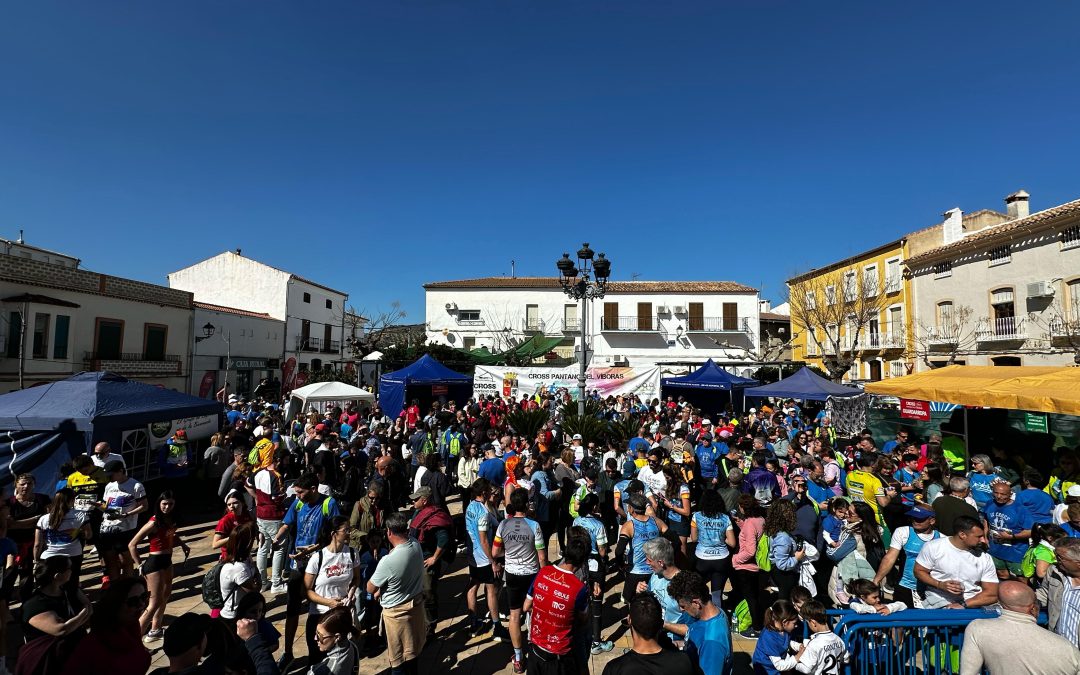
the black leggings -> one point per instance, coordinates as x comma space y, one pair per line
785, 582
715, 572
630, 585
749, 585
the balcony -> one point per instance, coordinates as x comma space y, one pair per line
532, 325
571, 325
630, 324
811, 348
943, 335
1001, 329
166, 365
1064, 328
892, 284
469, 320
718, 324
314, 344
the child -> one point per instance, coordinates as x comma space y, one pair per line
1039, 558
823, 652
835, 528
908, 476
773, 653
867, 598
369, 615
799, 597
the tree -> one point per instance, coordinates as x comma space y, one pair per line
770, 374
365, 334
954, 334
824, 303
1061, 324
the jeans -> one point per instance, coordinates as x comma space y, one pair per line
269, 530
847, 545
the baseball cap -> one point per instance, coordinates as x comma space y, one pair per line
422, 491
724, 433
187, 631
320, 427
753, 410
577, 437
114, 466
1073, 491
706, 423
180, 436
919, 513
706, 437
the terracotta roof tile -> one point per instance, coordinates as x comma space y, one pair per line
231, 310
773, 316
612, 287
994, 232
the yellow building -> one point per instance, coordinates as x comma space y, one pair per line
852, 318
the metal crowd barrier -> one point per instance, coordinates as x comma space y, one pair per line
911, 642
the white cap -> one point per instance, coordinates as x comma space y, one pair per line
577, 437
706, 422
1073, 491
753, 410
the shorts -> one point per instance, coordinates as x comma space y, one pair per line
1013, 567
156, 563
679, 527
482, 575
517, 587
116, 541
297, 593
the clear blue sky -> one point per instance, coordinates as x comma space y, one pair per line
373, 146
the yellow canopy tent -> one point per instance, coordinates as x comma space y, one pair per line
1035, 388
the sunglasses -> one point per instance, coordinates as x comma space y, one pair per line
138, 600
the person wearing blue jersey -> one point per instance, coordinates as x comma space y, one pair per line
908, 541
480, 525
639, 528
1009, 529
708, 638
597, 567
981, 476
1033, 496
707, 456
660, 555
711, 530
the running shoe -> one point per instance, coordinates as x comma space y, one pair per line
601, 647
154, 635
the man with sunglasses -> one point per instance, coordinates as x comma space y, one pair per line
652, 475
908, 541
399, 578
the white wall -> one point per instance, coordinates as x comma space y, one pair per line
235, 281
506, 308
316, 312
249, 338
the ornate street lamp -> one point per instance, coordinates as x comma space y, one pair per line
584, 280
208, 332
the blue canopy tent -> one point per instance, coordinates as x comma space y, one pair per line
804, 385
45, 426
710, 387
421, 381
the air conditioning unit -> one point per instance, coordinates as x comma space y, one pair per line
451, 306
679, 309
1040, 289
662, 309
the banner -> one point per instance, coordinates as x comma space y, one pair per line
1036, 423
910, 409
206, 387
513, 382
197, 428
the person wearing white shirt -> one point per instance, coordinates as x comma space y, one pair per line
823, 653
103, 454
957, 571
652, 475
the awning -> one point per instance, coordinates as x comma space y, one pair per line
1036, 388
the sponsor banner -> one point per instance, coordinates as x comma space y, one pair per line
206, 386
197, 428
515, 382
288, 373
440, 389
910, 409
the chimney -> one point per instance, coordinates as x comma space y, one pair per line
1016, 205
764, 306
953, 227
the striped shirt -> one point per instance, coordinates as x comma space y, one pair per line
1069, 621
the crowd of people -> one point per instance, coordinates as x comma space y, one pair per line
754, 525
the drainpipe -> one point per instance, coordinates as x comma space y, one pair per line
22, 343
191, 352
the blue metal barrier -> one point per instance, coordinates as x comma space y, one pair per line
911, 642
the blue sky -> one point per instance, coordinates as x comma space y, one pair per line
373, 146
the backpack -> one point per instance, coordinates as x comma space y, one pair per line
761, 556
211, 586
741, 618
455, 445
325, 507
763, 494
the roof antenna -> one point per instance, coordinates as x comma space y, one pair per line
634, 276
513, 272
237, 251
20, 237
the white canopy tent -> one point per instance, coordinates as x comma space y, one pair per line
317, 395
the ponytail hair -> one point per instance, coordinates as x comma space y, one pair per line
62, 502
339, 621
780, 613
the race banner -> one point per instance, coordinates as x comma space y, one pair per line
515, 382
911, 409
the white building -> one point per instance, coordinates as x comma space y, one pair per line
1000, 290
636, 323
313, 314
241, 348
58, 320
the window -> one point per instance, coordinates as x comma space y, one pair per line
469, 316
944, 313
644, 316
695, 319
830, 294
316, 364
731, 316
154, 340
60, 336
109, 339
303, 367
1072, 299
897, 369
41, 336
851, 290
307, 297
1006, 361
532, 318
329, 304
611, 316
468, 344
1000, 255
892, 275
869, 281
943, 269
1070, 237
14, 328
1004, 310
328, 338
570, 318
811, 302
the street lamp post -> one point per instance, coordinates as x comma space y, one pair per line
584, 280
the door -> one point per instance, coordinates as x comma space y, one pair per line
875, 371
644, 316
1004, 312
611, 316
695, 318
328, 339
305, 333
154, 342
110, 339
874, 337
532, 317
896, 324
731, 316
570, 320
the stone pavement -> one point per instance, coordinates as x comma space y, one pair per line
451, 649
